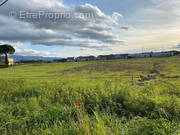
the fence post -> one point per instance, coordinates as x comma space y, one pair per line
132, 79
121, 76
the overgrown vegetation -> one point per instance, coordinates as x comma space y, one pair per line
92, 99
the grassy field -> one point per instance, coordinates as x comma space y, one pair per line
120, 97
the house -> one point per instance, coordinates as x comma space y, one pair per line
60, 60
70, 59
146, 54
102, 57
164, 54
106, 57
157, 54
136, 55
141, 55
175, 53
85, 58
121, 56
11, 61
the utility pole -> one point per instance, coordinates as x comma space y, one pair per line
2, 3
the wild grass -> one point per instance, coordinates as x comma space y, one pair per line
44, 99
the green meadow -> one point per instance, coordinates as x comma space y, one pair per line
119, 97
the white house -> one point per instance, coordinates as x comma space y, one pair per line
121, 56
106, 57
85, 58
164, 54
141, 55
102, 57
70, 59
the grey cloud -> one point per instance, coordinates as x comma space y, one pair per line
73, 43
104, 37
49, 32
100, 28
125, 27
22, 31
177, 46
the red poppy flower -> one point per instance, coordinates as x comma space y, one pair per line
79, 104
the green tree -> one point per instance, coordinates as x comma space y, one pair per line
6, 49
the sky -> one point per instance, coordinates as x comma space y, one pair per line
66, 28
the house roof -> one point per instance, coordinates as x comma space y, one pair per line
70, 58
111, 55
82, 57
121, 54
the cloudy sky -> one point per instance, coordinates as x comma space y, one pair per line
89, 27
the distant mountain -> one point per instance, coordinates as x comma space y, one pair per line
33, 58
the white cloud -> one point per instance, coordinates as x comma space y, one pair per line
21, 49
116, 17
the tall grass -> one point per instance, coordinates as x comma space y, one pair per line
52, 108
92, 98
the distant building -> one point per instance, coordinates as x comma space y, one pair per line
85, 58
113, 56
154, 54
121, 56
102, 57
11, 61
110, 57
164, 54
106, 57
135, 55
146, 54
70, 59
141, 55
60, 60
